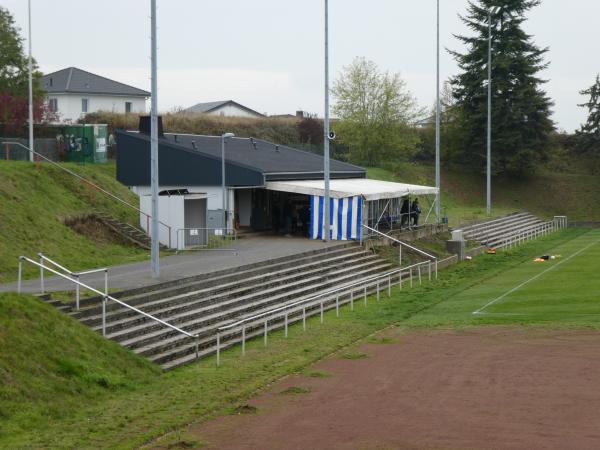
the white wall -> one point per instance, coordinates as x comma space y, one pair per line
232, 111
214, 200
69, 105
170, 212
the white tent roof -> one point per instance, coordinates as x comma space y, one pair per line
350, 187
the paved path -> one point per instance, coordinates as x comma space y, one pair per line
248, 250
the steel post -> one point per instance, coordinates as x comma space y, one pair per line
243, 340
266, 331
104, 302
19, 276
218, 348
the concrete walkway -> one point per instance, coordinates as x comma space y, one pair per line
248, 250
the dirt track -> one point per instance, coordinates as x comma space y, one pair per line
485, 388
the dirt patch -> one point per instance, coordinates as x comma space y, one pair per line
500, 388
95, 230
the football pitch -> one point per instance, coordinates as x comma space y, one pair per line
561, 290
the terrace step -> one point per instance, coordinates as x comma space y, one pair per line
200, 305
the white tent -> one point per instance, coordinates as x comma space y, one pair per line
369, 190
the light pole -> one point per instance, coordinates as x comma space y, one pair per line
155, 236
223, 193
30, 88
437, 123
326, 220
489, 124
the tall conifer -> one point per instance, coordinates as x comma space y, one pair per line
521, 121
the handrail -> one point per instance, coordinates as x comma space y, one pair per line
74, 274
228, 233
427, 255
85, 180
105, 296
323, 294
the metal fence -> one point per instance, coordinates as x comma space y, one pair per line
206, 238
542, 229
16, 149
283, 316
105, 297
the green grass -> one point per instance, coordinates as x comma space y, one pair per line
561, 292
35, 201
463, 193
65, 387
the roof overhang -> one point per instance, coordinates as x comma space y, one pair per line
369, 189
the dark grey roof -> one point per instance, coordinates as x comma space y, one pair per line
195, 160
77, 81
266, 157
212, 106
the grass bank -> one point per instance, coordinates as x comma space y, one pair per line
36, 199
129, 415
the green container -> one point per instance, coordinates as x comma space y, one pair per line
85, 143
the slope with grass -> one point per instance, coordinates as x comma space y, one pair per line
152, 404
35, 201
545, 194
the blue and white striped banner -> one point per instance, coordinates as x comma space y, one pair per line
345, 218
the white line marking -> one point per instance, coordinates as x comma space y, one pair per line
479, 311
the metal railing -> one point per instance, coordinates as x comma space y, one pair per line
542, 229
297, 311
93, 185
76, 275
205, 238
432, 259
105, 299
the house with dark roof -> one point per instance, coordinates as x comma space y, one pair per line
267, 187
227, 108
72, 93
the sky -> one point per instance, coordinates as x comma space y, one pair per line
268, 54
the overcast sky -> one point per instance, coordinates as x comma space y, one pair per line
267, 54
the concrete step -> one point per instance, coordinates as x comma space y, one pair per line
218, 276
259, 283
523, 222
186, 352
499, 223
167, 348
494, 233
182, 319
229, 281
485, 223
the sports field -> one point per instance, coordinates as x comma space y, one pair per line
507, 362
561, 291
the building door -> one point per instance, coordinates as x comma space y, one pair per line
196, 233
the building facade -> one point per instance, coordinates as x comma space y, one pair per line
73, 93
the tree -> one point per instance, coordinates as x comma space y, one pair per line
588, 137
375, 113
521, 123
14, 77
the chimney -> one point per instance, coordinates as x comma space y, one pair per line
300, 114
144, 126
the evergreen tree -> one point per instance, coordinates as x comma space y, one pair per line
521, 122
588, 137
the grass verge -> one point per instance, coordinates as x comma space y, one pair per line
135, 413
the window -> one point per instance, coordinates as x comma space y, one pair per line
127, 107
84, 105
53, 104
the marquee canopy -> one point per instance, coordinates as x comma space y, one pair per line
341, 188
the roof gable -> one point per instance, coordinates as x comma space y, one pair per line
76, 81
209, 107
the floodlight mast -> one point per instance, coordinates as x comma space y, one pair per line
30, 69
223, 188
437, 123
155, 236
489, 124
326, 219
